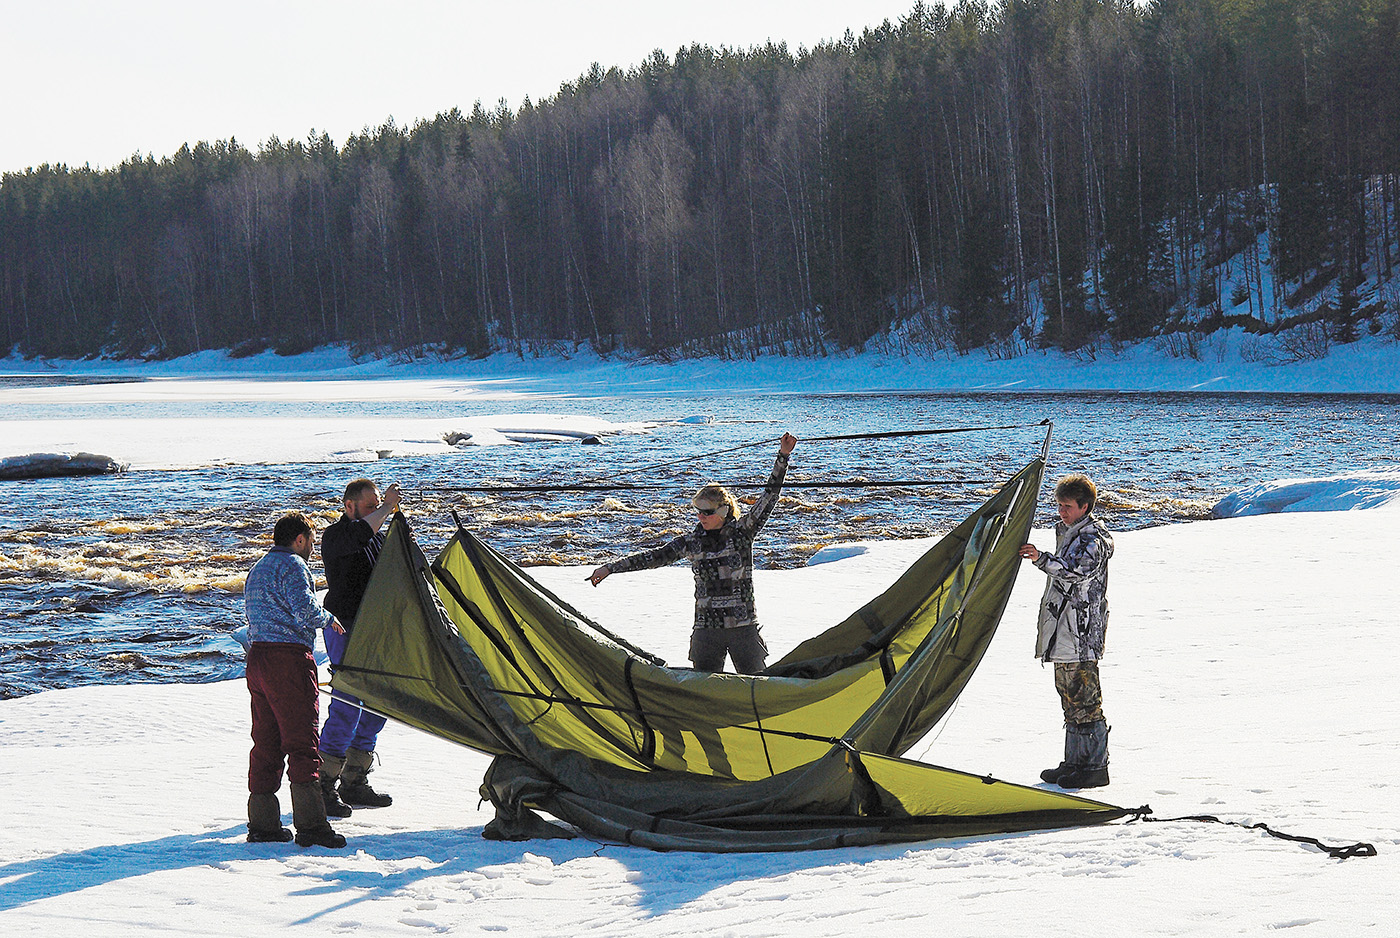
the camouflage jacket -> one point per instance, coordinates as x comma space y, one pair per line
1074, 610
721, 560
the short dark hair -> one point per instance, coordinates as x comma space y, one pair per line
355, 489
1079, 487
289, 527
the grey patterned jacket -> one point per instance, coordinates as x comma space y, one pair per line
721, 560
1074, 610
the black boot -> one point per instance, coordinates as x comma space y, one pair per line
1090, 745
1066, 764
1084, 778
265, 820
354, 781
331, 767
309, 817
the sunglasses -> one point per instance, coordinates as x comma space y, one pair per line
705, 512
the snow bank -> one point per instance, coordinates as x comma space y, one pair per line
1346, 492
1249, 676
1371, 365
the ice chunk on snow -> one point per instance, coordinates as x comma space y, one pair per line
834, 552
48, 465
1337, 493
478, 436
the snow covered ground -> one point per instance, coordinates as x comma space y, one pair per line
1225, 363
1249, 675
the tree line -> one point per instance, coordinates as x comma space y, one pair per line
985, 175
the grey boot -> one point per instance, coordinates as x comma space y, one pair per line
331, 767
354, 781
265, 820
1088, 752
309, 817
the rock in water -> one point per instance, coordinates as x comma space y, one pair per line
53, 465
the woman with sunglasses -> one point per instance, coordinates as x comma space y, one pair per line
720, 551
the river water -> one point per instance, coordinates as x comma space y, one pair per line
138, 577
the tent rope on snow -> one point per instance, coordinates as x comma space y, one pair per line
1359, 849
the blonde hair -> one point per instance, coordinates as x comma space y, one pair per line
714, 496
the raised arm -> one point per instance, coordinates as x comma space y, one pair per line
393, 496
755, 517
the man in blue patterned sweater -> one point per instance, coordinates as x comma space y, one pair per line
283, 616
720, 551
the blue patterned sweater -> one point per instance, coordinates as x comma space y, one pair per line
279, 600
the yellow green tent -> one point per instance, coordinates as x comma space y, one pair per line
605, 736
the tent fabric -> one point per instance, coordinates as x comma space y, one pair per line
605, 736
847, 798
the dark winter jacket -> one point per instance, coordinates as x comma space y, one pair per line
722, 561
1074, 609
348, 551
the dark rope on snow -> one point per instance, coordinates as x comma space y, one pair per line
1360, 849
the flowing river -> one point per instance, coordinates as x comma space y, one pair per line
138, 576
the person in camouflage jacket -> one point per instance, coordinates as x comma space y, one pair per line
720, 551
1071, 627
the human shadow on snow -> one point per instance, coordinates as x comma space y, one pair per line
663, 881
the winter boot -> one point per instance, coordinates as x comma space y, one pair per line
309, 817
1090, 756
331, 767
1053, 775
354, 781
265, 821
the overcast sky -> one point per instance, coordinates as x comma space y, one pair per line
94, 82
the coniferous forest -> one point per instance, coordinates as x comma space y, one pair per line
993, 176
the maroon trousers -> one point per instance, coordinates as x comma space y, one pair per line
282, 683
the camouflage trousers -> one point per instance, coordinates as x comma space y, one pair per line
1080, 693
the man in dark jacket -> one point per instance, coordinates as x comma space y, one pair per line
349, 549
1071, 629
720, 551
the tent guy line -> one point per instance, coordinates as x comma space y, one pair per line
661, 486
596, 484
